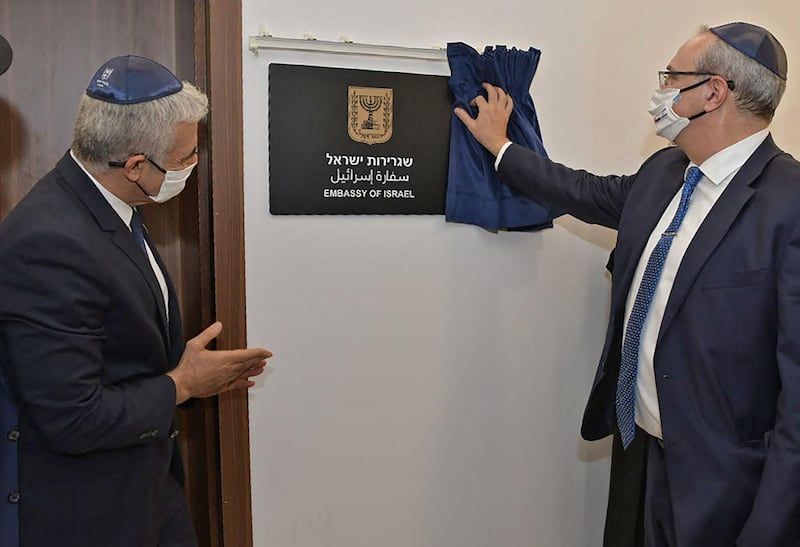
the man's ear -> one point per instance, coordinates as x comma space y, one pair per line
133, 166
718, 92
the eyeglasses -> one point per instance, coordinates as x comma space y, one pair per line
665, 77
185, 160
122, 164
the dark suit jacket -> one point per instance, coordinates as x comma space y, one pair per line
727, 358
84, 345
9, 489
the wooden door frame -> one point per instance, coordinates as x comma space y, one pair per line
224, 232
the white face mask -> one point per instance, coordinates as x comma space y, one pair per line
668, 124
174, 183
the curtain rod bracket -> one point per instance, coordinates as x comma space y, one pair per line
344, 46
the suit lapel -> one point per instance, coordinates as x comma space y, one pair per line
173, 329
641, 221
714, 227
128, 245
109, 221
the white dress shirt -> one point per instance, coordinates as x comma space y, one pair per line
500, 154
718, 171
125, 212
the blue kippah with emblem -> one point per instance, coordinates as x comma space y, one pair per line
755, 42
131, 79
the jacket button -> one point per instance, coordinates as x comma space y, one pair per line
13, 435
174, 434
13, 497
148, 434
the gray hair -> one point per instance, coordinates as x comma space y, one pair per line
113, 132
757, 89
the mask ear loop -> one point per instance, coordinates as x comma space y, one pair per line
122, 164
142, 189
703, 113
731, 86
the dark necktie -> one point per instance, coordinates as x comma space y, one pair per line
137, 229
626, 383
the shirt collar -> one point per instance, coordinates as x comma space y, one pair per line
124, 210
724, 163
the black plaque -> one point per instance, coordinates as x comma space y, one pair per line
345, 141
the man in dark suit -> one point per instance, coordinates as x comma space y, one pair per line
9, 536
700, 372
90, 333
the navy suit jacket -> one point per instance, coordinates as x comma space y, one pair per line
84, 345
727, 357
9, 489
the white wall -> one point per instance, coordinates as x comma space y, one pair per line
429, 379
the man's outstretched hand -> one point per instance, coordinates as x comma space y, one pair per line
202, 372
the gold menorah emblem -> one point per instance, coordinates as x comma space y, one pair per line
369, 114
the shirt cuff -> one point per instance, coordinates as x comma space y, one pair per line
500, 155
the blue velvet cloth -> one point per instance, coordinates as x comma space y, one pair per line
475, 194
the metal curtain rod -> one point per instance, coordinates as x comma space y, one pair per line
266, 41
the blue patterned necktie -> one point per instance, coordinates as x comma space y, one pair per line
626, 383
137, 229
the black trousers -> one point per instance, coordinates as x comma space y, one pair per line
625, 513
639, 503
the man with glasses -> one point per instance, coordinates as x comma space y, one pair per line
699, 378
90, 328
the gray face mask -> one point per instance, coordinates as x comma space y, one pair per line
668, 123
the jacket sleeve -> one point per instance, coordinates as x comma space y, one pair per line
591, 198
52, 335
